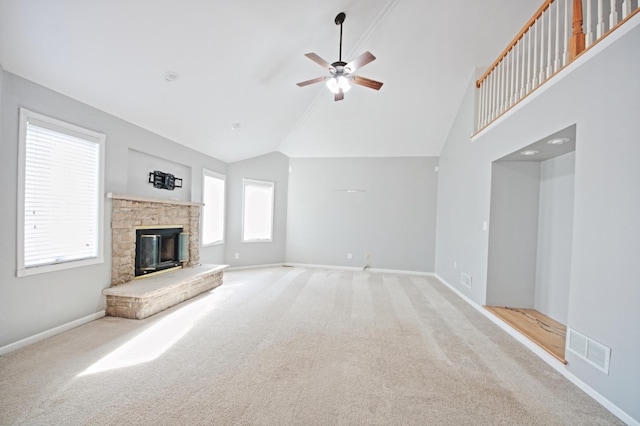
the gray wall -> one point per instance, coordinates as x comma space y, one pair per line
33, 304
555, 234
513, 236
272, 167
391, 217
602, 98
140, 164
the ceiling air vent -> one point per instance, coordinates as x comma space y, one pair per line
589, 350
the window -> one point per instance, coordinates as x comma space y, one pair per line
213, 210
60, 201
257, 216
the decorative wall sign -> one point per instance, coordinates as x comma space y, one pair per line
163, 180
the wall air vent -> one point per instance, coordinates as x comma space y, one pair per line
589, 350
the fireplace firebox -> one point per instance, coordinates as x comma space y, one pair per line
160, 249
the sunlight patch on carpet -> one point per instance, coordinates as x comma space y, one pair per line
156, 340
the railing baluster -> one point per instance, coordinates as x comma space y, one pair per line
541, 77
479, 107
507, 73
491, 96
565, 50
626, 8
613, 15
535, 57
514, 69
549, 37
588, 25
501, 83
524, 66
485, 113
529, 63
600, 29
556, 65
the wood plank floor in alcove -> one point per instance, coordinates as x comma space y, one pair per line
546, 332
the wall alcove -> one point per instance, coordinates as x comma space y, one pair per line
529, 263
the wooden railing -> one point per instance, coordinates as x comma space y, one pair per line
554, 36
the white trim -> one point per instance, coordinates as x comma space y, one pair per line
361, 269
242, 268
51, 332
550, 360
315, 266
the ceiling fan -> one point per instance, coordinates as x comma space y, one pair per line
341, 74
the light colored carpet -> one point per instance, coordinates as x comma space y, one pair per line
294, 346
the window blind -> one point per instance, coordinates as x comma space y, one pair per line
258, 210
61, 196
213, 210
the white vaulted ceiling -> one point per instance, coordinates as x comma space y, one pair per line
239, 61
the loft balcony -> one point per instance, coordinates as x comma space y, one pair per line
558, 33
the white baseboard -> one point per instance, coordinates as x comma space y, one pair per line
51, 332
241, 268
550, 360
360, 269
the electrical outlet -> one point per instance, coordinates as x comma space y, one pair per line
455, 265
349, 255
367, 256
465, 280
237, 256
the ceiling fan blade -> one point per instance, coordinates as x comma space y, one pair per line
360, 61
312, 81
339, 96
367, 82
318, 60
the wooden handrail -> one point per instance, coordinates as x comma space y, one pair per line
576, 43
515, 40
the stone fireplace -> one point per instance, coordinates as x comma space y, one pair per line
131, 213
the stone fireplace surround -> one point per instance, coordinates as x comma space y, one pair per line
140, 298
129, 212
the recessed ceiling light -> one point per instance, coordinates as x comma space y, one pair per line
558, 141
529, 152
171, 76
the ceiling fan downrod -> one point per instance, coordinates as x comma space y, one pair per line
339, 20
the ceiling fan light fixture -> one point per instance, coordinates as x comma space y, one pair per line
332, 84
335, 84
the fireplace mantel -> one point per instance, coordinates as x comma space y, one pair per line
151, 200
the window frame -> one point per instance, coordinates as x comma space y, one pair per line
212, 174
72, 130
256, 182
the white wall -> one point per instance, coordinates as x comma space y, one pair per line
33, 304
391, 216
513, 236
602, 98
272, 167
555, 233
